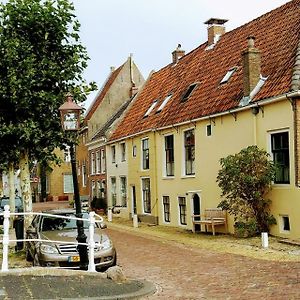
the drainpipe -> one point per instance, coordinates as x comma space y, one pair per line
155, 176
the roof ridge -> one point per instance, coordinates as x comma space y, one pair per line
296, 71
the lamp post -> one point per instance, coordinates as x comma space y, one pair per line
70, 121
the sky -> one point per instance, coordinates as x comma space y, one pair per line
152, 29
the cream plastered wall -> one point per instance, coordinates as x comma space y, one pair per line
230, 134
136, 173
285, 197
117, 169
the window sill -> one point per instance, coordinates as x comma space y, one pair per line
188, 176
168, 177
281, 185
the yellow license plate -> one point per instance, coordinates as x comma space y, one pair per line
74, 258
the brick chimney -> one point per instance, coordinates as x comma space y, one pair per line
177, 54
215, 28
251, 66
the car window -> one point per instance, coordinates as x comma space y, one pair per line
5, 201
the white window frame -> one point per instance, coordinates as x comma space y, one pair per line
121, 192
163, 209
68, 183
142, 195
113, 192
98, 162
123, 151
165, 158
113, 154
150, 109
142, 154
228, 75
84, 178
186, 210
281, 223
92, 163
184, 175
102, 159
164, 103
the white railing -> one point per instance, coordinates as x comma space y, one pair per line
91, 242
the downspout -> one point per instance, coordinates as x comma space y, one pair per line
131, 70
155, 178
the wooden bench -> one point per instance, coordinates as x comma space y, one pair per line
212, 217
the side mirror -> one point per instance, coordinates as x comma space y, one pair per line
31, 230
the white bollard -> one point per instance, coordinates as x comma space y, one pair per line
135, 221
5, 238
264, 240
109, 215
91, 267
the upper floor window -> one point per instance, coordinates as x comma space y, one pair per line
169, 148
97, 162
134, 150
113, 154
281, 158
93, 163
145, 149
189, 152
67, 155
84, 175
123, 151
102, 164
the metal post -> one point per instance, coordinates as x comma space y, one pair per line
81, 237
91, 267
5, 238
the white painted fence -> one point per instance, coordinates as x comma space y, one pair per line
91, 242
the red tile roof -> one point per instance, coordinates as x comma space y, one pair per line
102, 93
277, 36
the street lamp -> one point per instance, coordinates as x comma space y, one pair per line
70, 121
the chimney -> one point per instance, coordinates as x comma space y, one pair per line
251, 66
215, 28
177, 54
133, 90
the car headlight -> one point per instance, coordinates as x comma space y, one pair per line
103, 246
48, 249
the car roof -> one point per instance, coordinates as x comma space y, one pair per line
62, 211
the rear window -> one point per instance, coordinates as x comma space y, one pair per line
18, 202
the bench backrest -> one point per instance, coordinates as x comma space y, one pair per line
214, 213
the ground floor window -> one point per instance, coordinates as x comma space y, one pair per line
113, 191
123, 191
146, 195
68, 184
285, 223
166, 205
182, 210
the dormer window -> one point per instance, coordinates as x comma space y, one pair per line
150, 108
164, 103
228, 75
188, 92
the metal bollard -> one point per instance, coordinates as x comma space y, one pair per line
91, 267
109, 215
135, 221
264, 240
5, 238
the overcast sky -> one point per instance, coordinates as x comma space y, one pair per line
151, 29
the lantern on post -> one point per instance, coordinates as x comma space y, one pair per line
70, 121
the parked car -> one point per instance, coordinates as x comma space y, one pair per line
5, 201
64, 255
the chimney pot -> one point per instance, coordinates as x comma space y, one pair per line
177, 54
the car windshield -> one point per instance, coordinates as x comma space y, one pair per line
5, 201
49, 223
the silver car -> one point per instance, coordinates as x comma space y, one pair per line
65, 255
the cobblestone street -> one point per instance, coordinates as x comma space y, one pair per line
186, 272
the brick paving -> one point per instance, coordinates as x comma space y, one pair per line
186, 272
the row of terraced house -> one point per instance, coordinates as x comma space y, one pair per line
153, 147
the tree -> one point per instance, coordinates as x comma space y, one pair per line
41, 59
245, 179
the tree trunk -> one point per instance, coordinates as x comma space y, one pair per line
25, 186
11, 184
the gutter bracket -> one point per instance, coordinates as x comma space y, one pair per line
234, 114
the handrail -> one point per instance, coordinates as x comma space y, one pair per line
91, 242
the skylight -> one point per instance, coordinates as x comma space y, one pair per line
150, 108
228, 75
164, 103
188, 92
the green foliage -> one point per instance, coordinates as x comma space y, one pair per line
41, 59
245, 178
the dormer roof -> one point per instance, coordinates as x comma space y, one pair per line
277, 37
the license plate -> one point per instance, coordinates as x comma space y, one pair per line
74, 259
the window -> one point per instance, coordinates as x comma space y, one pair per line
67, 155
123, 151
134, 150
113, 191
97, 162
285, 223
150, 109
228, 75
84, 177
68, 184
102, 165
188, 92
166, 205
78, 167
208, 130
280, 152
113, 154
103, 189
145, 149
169, 148
123, 191
182, 210
189, 149
146, 195
164, 103
93, 164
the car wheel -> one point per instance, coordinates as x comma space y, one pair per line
36, 262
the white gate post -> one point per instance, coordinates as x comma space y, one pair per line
5, 238
109, 215
135, 221
91, 267
264, 240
